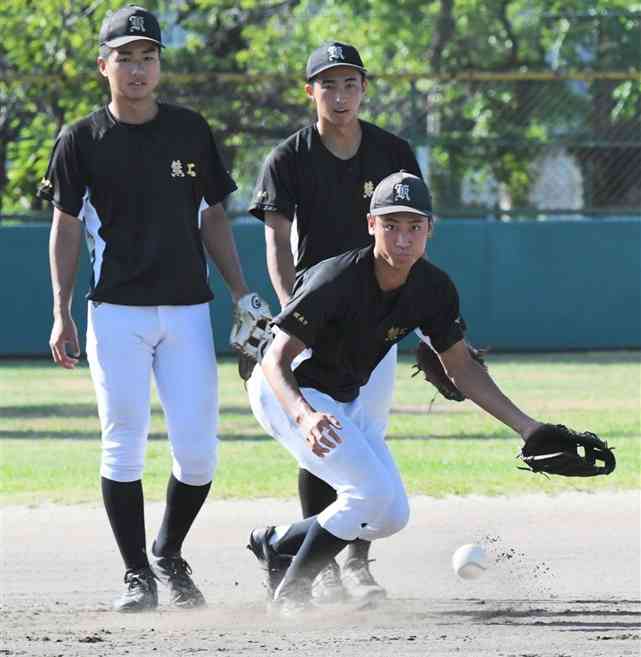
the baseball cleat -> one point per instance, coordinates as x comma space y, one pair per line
270, 561
175, 573
293, 598
327, 587
359, 583
141, 593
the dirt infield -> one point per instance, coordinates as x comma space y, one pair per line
564, 581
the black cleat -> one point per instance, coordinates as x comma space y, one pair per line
270, 561
141, 594
175, 573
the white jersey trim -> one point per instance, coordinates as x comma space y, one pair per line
95, 243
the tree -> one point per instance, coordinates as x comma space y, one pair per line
47, 53
242, 64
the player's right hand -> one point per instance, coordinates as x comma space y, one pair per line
64, 339
320, 432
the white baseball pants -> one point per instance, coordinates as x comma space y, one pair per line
376, 395
125, 345
371, 500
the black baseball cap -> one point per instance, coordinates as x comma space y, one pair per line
333, 54
401, 192
130, 23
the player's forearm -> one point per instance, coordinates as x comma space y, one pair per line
277, 368
65, 241
478, 386
280, 265
218, 239
280, 260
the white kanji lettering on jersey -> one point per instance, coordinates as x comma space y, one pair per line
402, 192
137, 24
191, 169
335, 53
177, 169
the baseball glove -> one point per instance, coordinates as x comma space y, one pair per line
250, 332
554, 449
429, 363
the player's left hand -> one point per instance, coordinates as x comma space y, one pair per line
555, 449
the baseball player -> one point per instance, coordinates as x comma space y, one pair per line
313, 195
350, 310
145, 181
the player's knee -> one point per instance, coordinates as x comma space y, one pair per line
123, 458
121, 472
195, 467
397, 515
389, 508
374, 500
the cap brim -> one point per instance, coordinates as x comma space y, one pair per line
389, 209
122, 41
336, 65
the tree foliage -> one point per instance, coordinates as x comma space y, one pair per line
242, 62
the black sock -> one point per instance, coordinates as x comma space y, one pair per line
183, 504
126, 512
315, 494
290, 543
358, 549
316, 551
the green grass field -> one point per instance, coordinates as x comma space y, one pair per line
50, 446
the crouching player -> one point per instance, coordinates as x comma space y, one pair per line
347, 312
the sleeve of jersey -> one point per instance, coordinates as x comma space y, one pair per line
65, 184
274, 191
444, 328
314, 302
217, 181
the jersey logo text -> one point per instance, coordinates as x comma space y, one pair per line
401, 192
179, 169
335, 53
368, 189
137, 24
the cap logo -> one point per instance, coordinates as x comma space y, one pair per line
334, 53
137, 23
401, 192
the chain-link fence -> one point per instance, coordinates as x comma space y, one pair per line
508, 145
523, 146
491, 145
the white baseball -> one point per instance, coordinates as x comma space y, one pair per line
470, 561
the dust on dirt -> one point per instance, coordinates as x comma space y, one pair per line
564, 580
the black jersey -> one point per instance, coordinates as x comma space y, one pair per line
339, 310
139, 190
328, 197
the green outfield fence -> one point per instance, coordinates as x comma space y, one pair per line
524, 285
